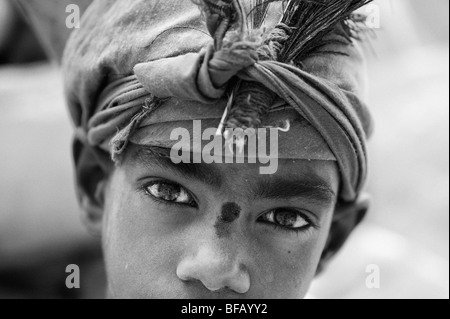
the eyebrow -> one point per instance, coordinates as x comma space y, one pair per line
161, 157
309, 186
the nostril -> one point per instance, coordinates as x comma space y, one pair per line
211, 287
184, 274
216, 271
240, 283
214, 288
241, 289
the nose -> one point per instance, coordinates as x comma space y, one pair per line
216, 268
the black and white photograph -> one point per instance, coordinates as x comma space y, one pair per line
225, 155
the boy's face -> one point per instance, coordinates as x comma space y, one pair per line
216, 230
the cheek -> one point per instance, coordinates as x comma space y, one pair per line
285, 268
140, 254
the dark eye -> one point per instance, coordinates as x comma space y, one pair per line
286, 218
170, 192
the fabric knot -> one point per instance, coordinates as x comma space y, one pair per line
300, 52
235, 55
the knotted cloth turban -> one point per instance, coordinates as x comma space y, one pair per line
136, 69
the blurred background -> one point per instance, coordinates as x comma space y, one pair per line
406, 235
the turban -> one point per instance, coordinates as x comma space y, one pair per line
137, 69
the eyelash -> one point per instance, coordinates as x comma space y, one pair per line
144, 189
311, 224
193, 203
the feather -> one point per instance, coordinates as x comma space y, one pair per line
220, 15
310, 22
302, 31
258, 13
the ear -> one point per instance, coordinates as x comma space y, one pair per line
346, 217
93, 168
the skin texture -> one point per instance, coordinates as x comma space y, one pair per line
163, 250
230, 212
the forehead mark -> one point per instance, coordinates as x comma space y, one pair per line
229, 213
